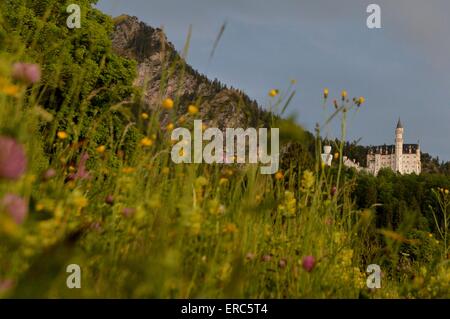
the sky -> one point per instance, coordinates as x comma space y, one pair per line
402, 69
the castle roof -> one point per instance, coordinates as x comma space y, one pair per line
399, 124
390, 149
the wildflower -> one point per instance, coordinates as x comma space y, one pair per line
282, 263
109, 200
223, 181
336, 106
128, 170
181, 120
325, 93
250, 256
273, 93
62, 135
170, 127
146, 142
26, 72
336, 155
49, 174
308, 263
82, 172
144, 116
101, 149
11, 90
128, 211
16, 207
279, 175
192, 109
308, 180
266, 258
6, 285
293, 81
13, 161
165, 170
360, 100
230, 228
333, 190
167, 104
344, 95
446, 192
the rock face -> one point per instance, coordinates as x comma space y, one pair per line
162, 73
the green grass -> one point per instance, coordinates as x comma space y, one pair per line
212, 231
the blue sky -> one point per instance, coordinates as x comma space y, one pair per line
402, 69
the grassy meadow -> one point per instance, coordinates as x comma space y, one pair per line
87, 179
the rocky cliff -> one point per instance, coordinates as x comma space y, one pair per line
162, 72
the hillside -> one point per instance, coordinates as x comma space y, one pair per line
219, 105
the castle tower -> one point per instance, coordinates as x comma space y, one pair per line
398, 147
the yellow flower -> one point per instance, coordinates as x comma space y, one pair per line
446, 191
181, 120
62, 135
144, 116
170, 127
325, 93
336, 155
11, 90
167, 104
146, 142
128, 170
165, 170
223, 181
192, 109
308, 179
230, 228
361, 100
273, 93
101, 149
344, 94
279, 175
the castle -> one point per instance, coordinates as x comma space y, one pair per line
401, 158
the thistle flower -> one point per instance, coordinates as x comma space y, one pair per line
128, 211
282, 263
49, 174
192, 109
26, 72
167, 104
273, 93
109, 200
16, 207
13, 162
266, 258
308, 263
82, 172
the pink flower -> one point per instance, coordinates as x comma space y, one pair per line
13, 162
266, 258
282, 263
82, 172
308, 263
26, 72
128, 212
49, 174
6, 285
16, 207
109, 200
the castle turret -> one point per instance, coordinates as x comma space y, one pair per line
398, 147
